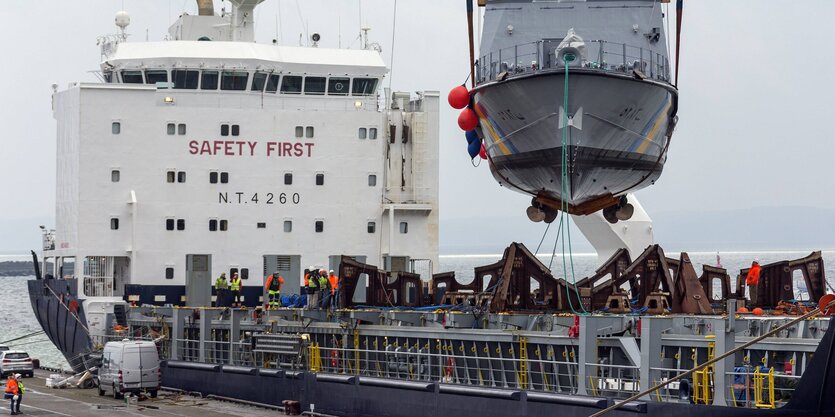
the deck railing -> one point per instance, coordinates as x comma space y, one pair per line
599, 55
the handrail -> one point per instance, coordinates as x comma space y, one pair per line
599, 55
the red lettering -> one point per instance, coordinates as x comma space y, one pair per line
252, 148
286, 148
227, 148
206, 148
299, 147
192, 147
218, 145
271, 146
309, 149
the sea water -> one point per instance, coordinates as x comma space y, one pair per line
20, 321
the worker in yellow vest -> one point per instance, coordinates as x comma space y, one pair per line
235, 289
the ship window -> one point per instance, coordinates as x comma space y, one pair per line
212, 225
181, 176
288, 226
224, 130
115, 128
364, 86
320, 179
233, 272
108, 76
185, 79
209, 80
299, 131
319, 226
169, 224
132, 77
372, 133
338, 86
169, 273
244, 273
261, 225
170, 176
115, 175
258, 81
404, 227
213, 177
181, 129
236, 130
372, 227
114, 223
181, 224
233, 80
314, 85
224, 177
363, 133
288, 179
308, 132
171, 129
372, 180
291, 84
272, 83
224, 225
156, 76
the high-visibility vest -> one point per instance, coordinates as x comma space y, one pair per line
323, 282
334, 280
21, 387
274, 282
235, 284
221, 284
312, 281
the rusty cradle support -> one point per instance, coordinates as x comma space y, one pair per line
777, 280
385, 289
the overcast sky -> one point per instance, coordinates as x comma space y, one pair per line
756, 94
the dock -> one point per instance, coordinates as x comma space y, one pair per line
76, 402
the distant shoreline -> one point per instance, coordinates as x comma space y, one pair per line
17, 269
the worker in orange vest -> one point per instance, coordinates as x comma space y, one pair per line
12, 393
753, 281
273, 287
334, 283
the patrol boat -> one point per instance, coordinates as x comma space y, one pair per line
208, 153
575, 100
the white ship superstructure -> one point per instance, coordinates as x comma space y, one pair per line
211, 153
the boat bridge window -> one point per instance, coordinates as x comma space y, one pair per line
181, 224
224, 177
181, 177
156, 76
224, 225
338, 86
308, 132
364, 86
181, 129
208, 81
236, 130
132, 77
114, 223
320, 179
314, 85
288, 226
288, 178
244, 273
213, 177
363, 133
171, 129
404, 227
212, 225
261, 225
272, 83
372, 133
299, 131
169, 273
372, 227
225, 130
320, 226
372, 180
258, 81
291, 84
169, 224
234, 80
170, 176
115, 175
115, 128
185, 79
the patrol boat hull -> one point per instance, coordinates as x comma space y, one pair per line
616, 142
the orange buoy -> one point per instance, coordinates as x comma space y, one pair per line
459, 97
742, 310
758, 311
824, 301
467, 120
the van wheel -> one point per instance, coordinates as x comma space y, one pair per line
101, 392
153, 393
116, 394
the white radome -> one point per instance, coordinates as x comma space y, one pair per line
122, 19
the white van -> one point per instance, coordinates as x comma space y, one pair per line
129, 366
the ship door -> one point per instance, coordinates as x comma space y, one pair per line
289, 267
198, 280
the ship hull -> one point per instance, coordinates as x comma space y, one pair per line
616, 144
61, 315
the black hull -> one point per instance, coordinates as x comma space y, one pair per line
61, 315
349, 396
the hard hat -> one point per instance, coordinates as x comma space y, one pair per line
756, 260
331, 271
17, 376
275, 273
323, 270
223, 274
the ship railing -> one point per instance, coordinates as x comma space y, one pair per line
600, 55
215, 351
98, 286
743, 386
613, 381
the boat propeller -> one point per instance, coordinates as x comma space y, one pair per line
620, 212
537, 213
